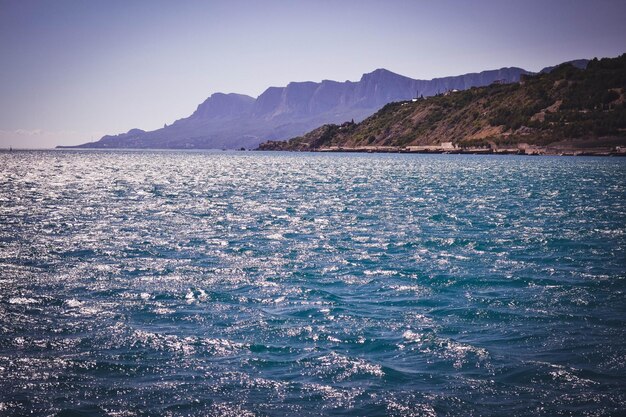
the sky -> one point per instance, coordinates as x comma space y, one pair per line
72, 71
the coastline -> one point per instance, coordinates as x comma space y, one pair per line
529, 151
433, 149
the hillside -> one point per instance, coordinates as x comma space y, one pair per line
567, 108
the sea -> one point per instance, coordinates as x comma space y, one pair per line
212, 283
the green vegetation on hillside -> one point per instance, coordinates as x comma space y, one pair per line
567, 104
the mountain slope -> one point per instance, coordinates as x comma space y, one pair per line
580, 107
234, 120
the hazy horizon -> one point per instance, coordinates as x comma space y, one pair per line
75, 71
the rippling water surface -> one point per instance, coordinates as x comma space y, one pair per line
229, 284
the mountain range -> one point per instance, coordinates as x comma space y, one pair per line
566, 110
234, 121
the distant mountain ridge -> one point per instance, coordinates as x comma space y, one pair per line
236, 120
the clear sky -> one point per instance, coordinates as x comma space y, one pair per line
74, 70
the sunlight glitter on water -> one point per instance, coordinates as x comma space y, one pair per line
206, 283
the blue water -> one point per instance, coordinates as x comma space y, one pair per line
271, 284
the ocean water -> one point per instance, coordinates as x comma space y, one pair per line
277, 284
